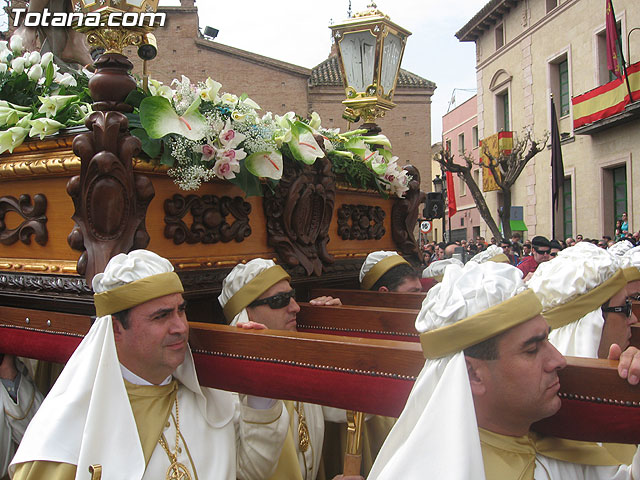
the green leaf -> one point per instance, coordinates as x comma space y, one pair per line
135, 97
134, 120
249, 183
150, 146
166, 158
48, 78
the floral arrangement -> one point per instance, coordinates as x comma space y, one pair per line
204, 133
36, 99
200, 132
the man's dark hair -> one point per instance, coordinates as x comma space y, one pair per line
487, 350
123, 317
442, 245
395, 276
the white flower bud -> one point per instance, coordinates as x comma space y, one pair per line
34, 57
35, 72
17, 64
16, 44
46, 59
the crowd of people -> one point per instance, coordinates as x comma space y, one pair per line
495, 325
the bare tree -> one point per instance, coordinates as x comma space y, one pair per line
505, 168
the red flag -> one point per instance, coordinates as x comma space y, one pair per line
615, 60
451, 195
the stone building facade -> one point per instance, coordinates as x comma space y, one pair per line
527, 50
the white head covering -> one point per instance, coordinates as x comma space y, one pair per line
87, 419
369, 276
240, 276
436, 269
436, 435
493, 253
620, 248
576, 271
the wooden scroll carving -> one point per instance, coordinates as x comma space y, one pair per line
361, 222
209, 214
34, 219
24, 282
404, 216
110, 201
298, 212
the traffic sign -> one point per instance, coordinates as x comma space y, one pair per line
425, 226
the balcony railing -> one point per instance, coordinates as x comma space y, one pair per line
607, 105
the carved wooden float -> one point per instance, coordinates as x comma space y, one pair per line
62, 219
374, 376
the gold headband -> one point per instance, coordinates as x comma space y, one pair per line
578, 307
379, 269
481, 326
253, 289
500, 258
136, 293
631, 274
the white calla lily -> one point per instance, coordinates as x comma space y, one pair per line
251, 104
43, 127
210, 92
53, 104
11, 138
3, 68
315, 121
66, 80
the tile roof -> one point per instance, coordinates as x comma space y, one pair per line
328, 73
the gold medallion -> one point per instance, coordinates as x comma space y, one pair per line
177, 471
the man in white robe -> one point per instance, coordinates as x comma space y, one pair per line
129, 403
259, 291
19, 401
580, 289
490, 372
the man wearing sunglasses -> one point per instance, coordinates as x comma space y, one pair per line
258, 294
540, 254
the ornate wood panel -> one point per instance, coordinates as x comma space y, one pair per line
34, 219
210, 214
404, 216
361, 222
299, 211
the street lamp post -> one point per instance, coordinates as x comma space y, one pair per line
440, 186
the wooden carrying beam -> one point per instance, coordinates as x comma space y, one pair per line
359, 321
372, 299
374, 376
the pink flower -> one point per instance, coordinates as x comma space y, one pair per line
229, 138
207, 152
226, 169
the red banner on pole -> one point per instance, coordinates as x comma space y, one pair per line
451, 195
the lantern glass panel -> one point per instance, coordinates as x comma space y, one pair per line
391, 52
359, 55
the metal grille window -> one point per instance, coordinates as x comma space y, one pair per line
567, 220
563, 76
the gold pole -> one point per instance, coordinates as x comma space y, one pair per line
353, 454
95, 471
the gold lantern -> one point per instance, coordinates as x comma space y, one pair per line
114, 38
370, 49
